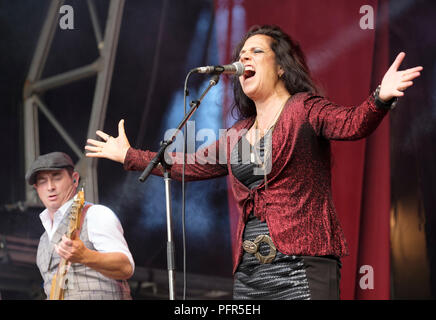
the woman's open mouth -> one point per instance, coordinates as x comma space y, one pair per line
249, 72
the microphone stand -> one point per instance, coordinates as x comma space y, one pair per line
160, 158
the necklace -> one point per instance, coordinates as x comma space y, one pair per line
255, 156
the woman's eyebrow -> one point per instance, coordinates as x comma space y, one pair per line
251, 49
245, 50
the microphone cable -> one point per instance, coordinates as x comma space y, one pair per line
185, 142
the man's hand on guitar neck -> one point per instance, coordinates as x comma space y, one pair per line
71, 250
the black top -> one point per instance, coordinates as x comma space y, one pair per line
242, 166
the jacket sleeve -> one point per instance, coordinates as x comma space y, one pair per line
206, 163
337, 122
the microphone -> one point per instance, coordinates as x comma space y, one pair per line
236, 68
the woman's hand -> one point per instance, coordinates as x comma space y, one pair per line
110, 148
395, 82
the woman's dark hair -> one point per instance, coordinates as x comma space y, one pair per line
288, 55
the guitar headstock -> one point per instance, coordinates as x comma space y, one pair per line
76, 212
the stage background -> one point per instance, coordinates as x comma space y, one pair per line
383, 186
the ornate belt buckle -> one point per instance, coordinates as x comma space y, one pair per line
250, 246
253, 248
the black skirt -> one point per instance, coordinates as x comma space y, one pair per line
286, 277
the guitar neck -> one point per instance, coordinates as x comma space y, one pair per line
58, 281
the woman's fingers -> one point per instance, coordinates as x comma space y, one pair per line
405, 85
397, 62
410, 76
110, 148
121, 131
93, 149
102, 135
95, 143
94, 155
415, 69
395, 82
95, 152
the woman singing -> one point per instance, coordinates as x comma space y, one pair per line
289, 240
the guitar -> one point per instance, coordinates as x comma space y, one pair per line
59, 280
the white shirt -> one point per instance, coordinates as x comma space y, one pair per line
104, 229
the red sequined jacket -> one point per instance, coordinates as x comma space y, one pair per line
297, 203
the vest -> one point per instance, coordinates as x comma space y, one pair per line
83, 283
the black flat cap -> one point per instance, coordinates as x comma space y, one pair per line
49, 161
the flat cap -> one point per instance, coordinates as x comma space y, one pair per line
49, 161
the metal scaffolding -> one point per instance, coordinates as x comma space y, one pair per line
35, 86
19, 275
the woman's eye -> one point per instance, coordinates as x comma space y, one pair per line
253, 50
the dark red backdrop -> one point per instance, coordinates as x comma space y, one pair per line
348, 62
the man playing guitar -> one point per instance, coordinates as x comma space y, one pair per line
95, 254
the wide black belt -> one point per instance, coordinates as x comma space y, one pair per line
253, 248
